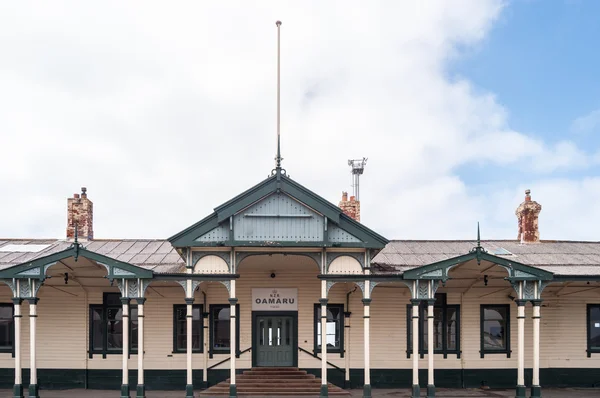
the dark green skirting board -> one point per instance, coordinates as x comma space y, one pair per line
57, 379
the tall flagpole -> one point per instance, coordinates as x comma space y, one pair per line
278, 158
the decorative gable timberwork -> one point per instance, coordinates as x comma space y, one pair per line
278, 217
278, 212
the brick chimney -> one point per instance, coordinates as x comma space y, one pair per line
527, 215
80, 211
350, 207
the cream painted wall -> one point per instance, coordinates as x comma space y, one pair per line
63, 323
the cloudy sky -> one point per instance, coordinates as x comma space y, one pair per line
164, 112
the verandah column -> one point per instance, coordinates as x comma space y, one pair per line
416, 391
323, 301
521, 348
141, 389
33, 383
189, 301
430, 348
232, 335
125, 322
536, 389
18, 388
367, 336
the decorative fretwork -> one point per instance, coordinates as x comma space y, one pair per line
24, 288
184, 284
329, 286
11, 285
372, 286
121, 272
361, 285
423, 290
32, 271
529, 290
227, 285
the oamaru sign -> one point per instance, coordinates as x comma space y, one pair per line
275, 299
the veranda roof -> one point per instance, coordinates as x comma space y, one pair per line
398, 256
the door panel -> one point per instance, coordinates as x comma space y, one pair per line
274, 340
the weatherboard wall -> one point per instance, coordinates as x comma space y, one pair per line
63, 324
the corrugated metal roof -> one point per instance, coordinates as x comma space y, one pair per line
157, 255
560, 257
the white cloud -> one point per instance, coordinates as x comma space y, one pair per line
165, 113
586, 124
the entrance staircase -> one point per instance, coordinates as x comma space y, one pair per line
274, 382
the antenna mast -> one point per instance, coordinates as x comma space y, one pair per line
358, 167
278, 159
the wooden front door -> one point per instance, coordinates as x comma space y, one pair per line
274, 340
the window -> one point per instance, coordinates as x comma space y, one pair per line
180, 328
495, 329
220, 329
593, 329
335, 327
7, 328
446, 328
106, 326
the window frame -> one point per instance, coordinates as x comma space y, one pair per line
201, 320
440, 302
11, 331
211, 349
482, 351
341, 327
104, 307
590, 350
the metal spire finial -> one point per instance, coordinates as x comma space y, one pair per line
478, 236
278, 158
76, 244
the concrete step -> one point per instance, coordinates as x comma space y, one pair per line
259, 376
277, 381
274, 369
274, 382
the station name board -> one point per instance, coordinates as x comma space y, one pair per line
275, 299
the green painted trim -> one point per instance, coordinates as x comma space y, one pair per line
254, 325
176, 307
416, 391
175, 379
430, 391
339, 329
189, 391
232, 391
140, 391
74, 251
124, 391
521, 392
367, 391
18, 391
34, 391
483, 352
536, 392
275, 184
211, 347
324, 391
182, 239
590, 350
446, 265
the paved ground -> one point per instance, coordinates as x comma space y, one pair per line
377, 393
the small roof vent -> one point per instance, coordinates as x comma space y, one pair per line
500, 251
